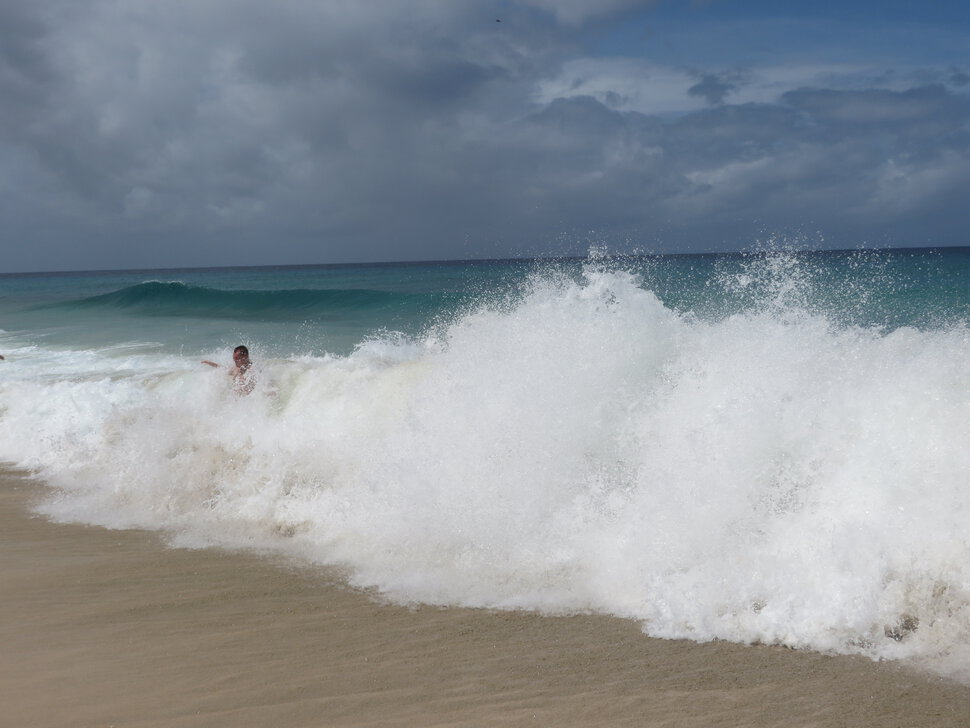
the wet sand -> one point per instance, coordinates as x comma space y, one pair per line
110, 628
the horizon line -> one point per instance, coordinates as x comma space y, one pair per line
460, 261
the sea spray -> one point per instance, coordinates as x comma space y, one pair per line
774, 473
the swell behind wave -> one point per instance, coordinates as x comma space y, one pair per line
174, 298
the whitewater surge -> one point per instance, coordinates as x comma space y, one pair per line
772, 475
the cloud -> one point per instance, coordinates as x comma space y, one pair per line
878, 106
714, 87
577, 12
217, 132
866, 163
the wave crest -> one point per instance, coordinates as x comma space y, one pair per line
174, 298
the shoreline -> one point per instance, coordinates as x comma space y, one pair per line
105, 627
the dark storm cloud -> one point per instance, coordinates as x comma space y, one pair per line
23, 65
27, 79
217, 132
713, 88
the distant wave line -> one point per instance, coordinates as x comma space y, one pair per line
175, 298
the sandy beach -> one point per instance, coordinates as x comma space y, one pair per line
110, 628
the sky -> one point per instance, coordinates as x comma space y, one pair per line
180, 133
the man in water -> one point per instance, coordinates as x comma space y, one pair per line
242, 381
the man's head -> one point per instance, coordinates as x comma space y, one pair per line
240, 355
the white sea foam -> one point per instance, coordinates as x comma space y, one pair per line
770, 476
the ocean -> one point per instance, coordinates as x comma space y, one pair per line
765, 447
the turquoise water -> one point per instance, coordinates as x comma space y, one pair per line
768, 447
319, 309
282, 311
